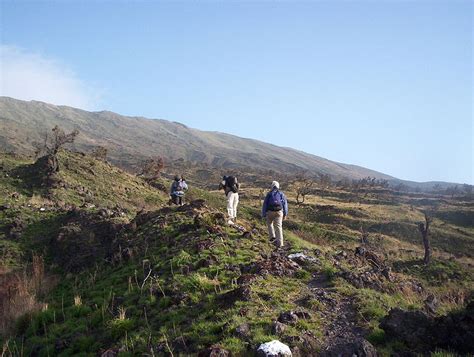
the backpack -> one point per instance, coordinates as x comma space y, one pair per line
274, 201
231, 182
178, 186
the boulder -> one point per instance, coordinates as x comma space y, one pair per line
273, 348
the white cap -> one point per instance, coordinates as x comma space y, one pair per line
275, 184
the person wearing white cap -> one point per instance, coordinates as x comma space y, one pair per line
275, 210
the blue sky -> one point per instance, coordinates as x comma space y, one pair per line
386, 85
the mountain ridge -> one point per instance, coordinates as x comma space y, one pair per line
130, 139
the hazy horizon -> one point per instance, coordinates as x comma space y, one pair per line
386, 86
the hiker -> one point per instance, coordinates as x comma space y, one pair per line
231, 189
275, 210
177, 189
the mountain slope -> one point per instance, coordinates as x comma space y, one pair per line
130, 139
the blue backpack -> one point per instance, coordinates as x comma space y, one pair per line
274, 201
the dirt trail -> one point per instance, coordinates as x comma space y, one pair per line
339, 315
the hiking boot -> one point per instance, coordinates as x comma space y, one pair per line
273, 240
230, 223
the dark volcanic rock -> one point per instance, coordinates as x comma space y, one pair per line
15, 229
423, 333
85, 239
276, 264
288, 317
456, 330
278, 328
207, 262
246, 279
414, 328
304, 345
243, 330
357, 348
242, 293
105, 213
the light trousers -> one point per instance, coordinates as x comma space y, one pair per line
232, 203
275, 226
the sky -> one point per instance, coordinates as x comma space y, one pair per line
382, 84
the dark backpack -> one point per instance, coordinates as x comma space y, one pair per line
177, 186
274, 201
231, 182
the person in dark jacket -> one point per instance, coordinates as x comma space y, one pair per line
231, 190
178, 187
275, 210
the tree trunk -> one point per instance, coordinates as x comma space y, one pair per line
424, 230
426, 243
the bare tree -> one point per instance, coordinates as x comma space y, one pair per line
453, 190
50, 148
425, 231
100, 153
325, 180
303, 187
59, 139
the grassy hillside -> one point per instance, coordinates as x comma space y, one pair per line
100, 262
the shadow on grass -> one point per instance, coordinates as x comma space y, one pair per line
438, 271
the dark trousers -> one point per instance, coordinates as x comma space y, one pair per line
177, 200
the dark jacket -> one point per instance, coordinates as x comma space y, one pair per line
227, 189
178, 188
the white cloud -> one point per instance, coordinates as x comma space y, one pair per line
32, 76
